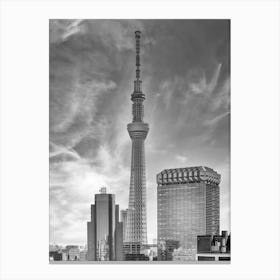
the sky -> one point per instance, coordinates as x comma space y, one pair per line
185, 68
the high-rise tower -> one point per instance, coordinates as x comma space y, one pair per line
136, 229
104, 231
188, 202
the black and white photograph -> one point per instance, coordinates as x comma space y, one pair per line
139, 140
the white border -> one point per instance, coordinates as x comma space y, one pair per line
255, 138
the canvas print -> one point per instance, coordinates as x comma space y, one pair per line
139, 141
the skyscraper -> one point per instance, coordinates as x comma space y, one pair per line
103, 230
124, 221
188, 206
136, 228
119, 255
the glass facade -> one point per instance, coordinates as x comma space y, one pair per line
188, 206
212, 209
91, 236
104, 231
101, 230
105, 226
124, 221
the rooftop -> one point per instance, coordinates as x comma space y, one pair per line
188, 175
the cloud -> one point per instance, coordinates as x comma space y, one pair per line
202, 86
216, 119
72, 188
222, 97
75, 93
61, 153
73, 28
181, 159
80, 104
167, 91
118, 35
74, 182
61, 30
185, 88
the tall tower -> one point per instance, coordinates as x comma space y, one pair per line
136, 229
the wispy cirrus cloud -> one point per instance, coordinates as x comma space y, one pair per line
61, 30
215, 120
202, 86
193, 83
222, 97
73, 184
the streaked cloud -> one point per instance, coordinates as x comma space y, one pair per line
216, 119
202, 86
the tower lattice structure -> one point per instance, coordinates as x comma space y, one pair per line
136, 230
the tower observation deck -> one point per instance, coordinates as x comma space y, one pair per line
136, 229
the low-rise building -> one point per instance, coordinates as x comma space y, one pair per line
136, 257
166, 249
213, 247
73, 252
149, 250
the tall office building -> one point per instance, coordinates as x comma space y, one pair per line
124, 221
136, 228
119, 254
104, 237
188, 206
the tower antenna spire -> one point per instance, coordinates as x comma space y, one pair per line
137, 82
137, 37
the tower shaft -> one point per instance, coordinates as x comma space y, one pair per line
136, 230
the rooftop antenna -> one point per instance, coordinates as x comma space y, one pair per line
102, 190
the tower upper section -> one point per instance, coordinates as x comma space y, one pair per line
137, 96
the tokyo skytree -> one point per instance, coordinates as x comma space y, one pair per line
136, 229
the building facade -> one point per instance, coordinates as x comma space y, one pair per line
119, 255
150, 250
132, 247
73, 252
103, 235
213, 247
166, 249
136, 227
124, 221
188, 206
